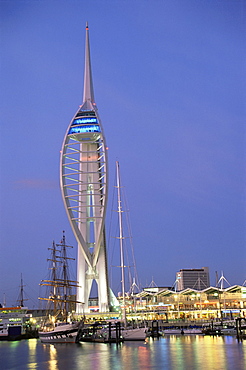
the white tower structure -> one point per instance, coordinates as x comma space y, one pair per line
83, 181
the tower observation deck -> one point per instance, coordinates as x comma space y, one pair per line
83, 181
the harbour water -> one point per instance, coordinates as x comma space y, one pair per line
169, 353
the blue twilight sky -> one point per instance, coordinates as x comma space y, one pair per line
169, 81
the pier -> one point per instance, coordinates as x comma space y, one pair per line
241, 329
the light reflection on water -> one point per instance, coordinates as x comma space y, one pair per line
172, 352
32, 354
53, 362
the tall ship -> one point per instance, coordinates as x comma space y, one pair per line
59, 325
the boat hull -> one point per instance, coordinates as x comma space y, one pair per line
134, 334
62, 334
53, 338
182, 331
29, 335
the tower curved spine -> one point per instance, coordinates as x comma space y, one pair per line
84, 187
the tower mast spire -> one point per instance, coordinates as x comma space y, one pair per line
88, 94
84, 185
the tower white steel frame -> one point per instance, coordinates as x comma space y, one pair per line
83, 181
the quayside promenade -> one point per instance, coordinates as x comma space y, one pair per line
187, 307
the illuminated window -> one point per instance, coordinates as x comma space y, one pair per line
85, 120
84, 129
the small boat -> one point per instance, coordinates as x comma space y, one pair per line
172, 331
228, 327
228, 331
182, 331
109, 332
221, 328
193, 331
59, 326
134, 334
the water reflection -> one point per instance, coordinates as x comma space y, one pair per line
172, 353
32, 353
198, 352
52, 364
183, 352
144, 358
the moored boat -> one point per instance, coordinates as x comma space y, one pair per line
182, 331
128, 333
61, 333
59, 326
109, 332
134, 334
227, 327
13, 324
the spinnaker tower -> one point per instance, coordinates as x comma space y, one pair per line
84, 187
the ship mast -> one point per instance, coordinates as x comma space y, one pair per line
53, 268
65, 274
121, 237
59, 280
21, 295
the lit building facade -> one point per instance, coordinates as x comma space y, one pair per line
193, 278
84, 187
191, 304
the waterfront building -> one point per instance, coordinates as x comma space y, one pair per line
84, 187
193, 278
192, 304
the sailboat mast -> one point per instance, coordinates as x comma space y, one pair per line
122, 264
21, 293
